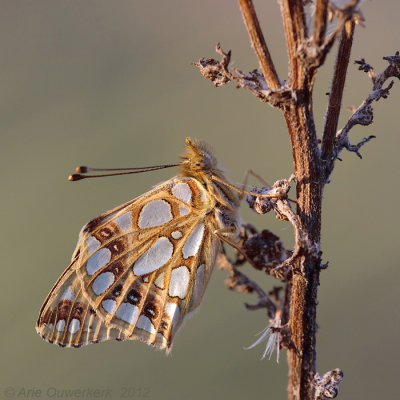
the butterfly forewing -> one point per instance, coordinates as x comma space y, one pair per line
137, 271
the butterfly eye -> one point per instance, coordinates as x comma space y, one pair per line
202, 164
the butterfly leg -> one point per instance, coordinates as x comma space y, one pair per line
225, 235
246, 178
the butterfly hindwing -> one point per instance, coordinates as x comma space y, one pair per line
177, 290
137, 270
67, 318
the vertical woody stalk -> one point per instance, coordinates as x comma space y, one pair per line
299, 119
312, 165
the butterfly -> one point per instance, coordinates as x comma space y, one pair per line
140, 269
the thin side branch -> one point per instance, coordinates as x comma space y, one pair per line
295, 32
315, 51
259, 45
321, 15
363, 115
219, 73
238, 281
336, 93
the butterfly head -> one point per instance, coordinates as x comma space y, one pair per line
198, 160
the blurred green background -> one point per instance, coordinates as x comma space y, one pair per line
109, 84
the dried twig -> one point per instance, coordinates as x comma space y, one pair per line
219, 73
336, 92
363, 115
327, 386
238, 281
295, 32
320, 21
283, 210
258, 43
313, 52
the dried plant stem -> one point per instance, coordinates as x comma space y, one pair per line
321, 13
302, 321
300, 268
258, 43
294, 24
336, 93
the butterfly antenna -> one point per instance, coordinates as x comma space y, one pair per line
123, 171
